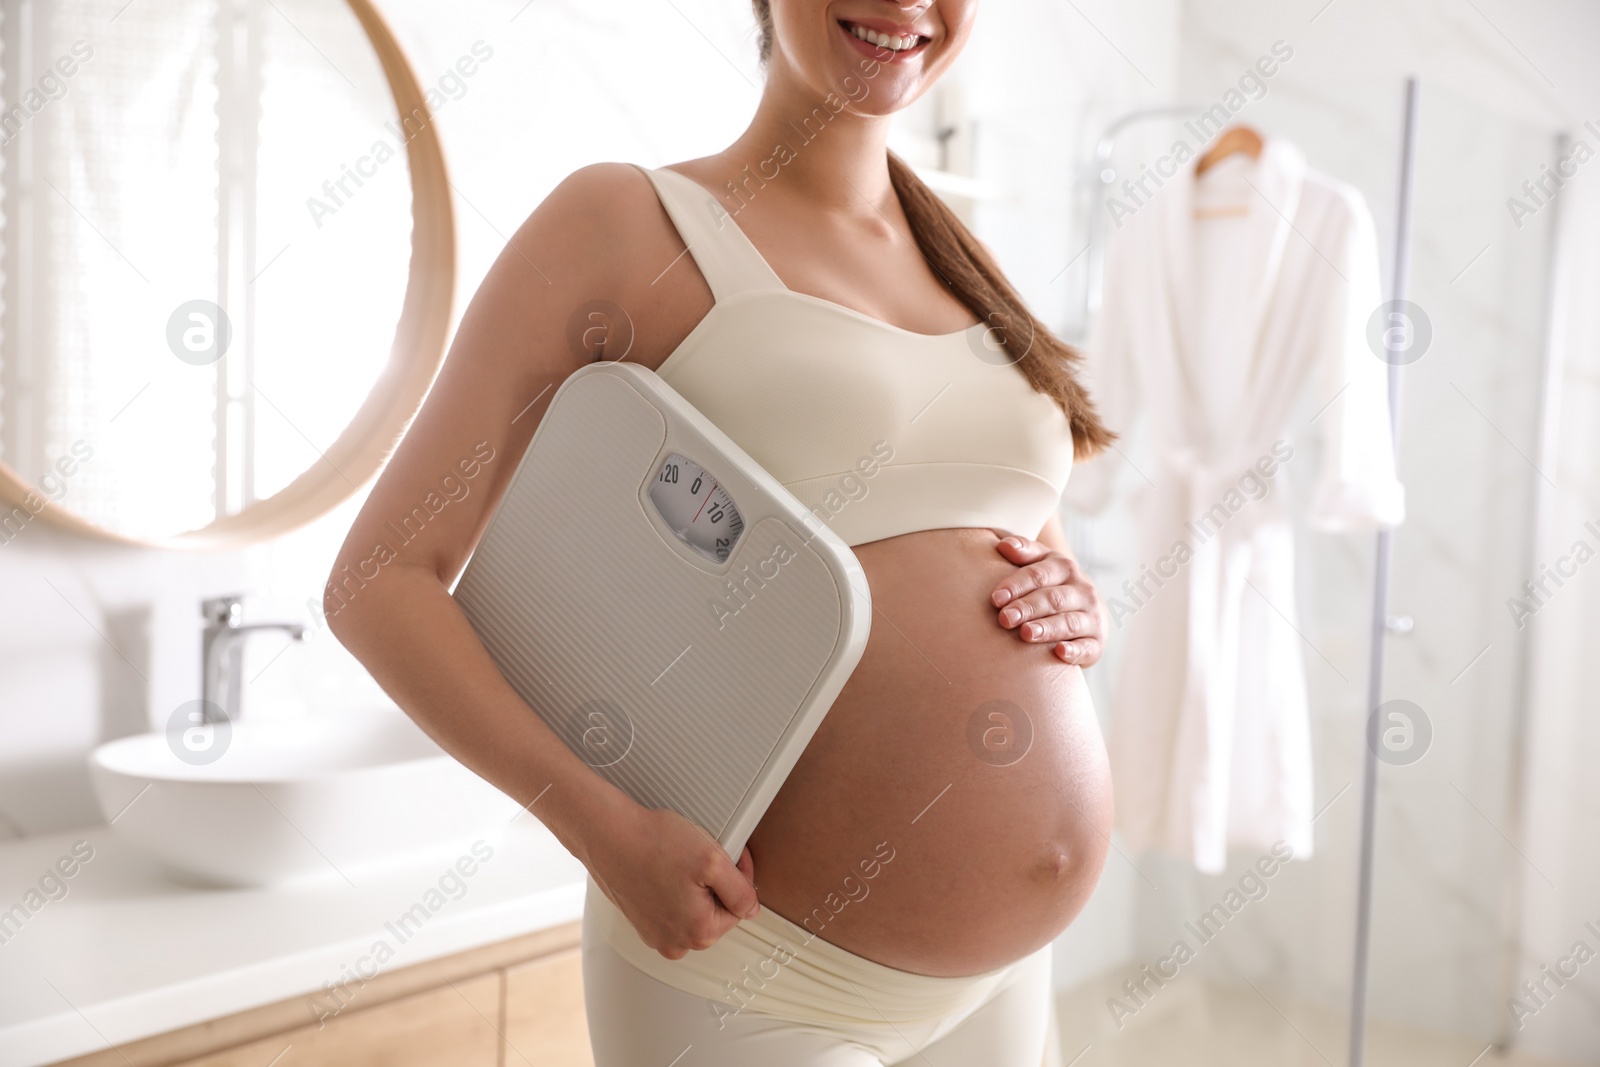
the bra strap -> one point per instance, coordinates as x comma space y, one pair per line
725, 256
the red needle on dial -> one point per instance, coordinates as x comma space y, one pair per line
696, 518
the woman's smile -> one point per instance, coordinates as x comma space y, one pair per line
885, 41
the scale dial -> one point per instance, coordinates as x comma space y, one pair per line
696, 507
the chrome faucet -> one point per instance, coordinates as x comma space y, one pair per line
220, 660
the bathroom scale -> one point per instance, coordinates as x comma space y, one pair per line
678, 618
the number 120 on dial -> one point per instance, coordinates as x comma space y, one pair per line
696, 507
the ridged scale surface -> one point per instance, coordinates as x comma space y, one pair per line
578, 598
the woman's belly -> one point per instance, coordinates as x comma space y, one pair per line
953, 811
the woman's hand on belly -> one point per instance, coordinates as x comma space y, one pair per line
1050, 599
672, 880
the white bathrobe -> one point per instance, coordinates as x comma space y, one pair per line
1212, 328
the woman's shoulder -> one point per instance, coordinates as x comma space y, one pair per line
602, 237
598, 224
599, 187
609, 194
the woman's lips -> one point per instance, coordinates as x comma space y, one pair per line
878, 52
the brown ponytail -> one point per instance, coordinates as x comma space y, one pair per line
972, 275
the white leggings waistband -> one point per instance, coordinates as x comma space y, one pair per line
770, 966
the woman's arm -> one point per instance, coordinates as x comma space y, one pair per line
387, 600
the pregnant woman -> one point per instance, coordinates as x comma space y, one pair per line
807, 293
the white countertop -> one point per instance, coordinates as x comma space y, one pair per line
128, 952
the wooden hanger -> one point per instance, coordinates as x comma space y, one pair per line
1232, 140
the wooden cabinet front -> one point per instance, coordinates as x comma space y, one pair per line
509, 1004
454, 1024
545, 1021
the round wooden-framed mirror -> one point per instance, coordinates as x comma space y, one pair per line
136, 347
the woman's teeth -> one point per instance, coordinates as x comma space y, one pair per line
884, 40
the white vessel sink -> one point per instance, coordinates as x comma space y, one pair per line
321, 795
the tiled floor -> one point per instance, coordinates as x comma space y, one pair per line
1214, 1026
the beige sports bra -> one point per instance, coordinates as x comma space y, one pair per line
878, 430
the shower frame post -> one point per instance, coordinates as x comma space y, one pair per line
1399, 287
